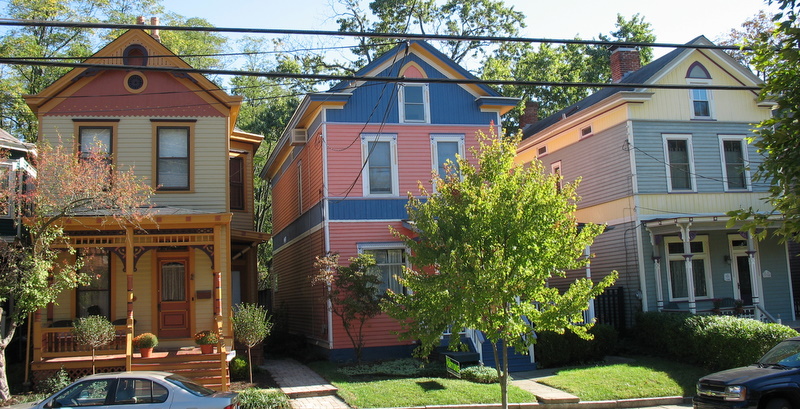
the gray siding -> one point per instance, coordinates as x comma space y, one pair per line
602, 164
650, 158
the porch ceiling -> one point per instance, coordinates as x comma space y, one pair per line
672, 225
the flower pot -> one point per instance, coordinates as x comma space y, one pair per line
146, 352
207, 348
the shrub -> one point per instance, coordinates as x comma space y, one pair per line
554, 349
253, 398
206, 337
94, 331
250, 326
239, 368
480, 374
145, 340
54, 383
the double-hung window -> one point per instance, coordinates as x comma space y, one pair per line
679, 166
96, 140
95, 298
444, 149
174, 161
555, 169
414, 103
236, 170
701, 103
379, 159
701, 268
390, 258
734, 159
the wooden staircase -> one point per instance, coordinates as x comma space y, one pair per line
204, 369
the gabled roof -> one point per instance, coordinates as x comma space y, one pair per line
648, 74
111, 55
7, 141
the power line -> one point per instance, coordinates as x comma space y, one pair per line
407, 36
358, 78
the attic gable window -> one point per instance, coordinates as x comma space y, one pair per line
414, 103
701, 106
135, 55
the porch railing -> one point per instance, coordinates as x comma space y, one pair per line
60, 341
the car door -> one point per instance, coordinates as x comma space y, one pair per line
94, 392
140, 393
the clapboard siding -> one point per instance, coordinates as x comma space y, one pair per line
600, 161
708, 162
286, 201
297, 302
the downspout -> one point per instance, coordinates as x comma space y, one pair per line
325, 213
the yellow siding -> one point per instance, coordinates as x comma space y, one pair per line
611, 212
134, 147
674, 104
700, 203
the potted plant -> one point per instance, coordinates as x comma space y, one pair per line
145, 342
738, 306
95, 331
717, 303
206, 339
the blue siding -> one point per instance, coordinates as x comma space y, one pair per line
370, 353
301, 225
375, 102
367, 209
650, 159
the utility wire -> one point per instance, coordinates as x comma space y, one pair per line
331, 77
408, 36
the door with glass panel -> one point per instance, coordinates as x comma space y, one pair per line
173, 299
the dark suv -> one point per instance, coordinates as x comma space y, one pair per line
771, 383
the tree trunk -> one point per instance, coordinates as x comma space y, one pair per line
250, 363
5, 392
504, 378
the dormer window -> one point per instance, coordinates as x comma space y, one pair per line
701, 106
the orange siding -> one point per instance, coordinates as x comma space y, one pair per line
243, 219
296, 300
285, 200
413, 154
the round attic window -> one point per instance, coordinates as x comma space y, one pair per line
135, 82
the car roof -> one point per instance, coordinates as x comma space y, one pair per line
155, 374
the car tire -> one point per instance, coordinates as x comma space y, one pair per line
778, 403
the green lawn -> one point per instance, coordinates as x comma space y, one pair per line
642, 378
368, 392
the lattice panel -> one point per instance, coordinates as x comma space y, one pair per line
74, 373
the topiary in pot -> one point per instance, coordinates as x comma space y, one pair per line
94, 331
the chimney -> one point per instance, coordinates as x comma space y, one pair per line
140, 20
154, 32
624, 60
530, 115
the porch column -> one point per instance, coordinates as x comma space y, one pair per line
755, 285
218, 304
129, 297
687, 259
657, 269
37, 335
587, 253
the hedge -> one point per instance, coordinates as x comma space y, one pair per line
713, 341
553, 349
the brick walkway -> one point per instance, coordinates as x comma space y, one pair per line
305, 388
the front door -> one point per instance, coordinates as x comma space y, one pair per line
743, 275
173, 299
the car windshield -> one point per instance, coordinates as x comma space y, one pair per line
787, 353
189, 385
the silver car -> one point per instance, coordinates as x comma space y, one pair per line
137, 390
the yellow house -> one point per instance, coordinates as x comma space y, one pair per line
182, 269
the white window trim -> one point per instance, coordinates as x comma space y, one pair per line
425, 100
743, 142
705, 256
391, 245
556, 167
700, 81
688, 139
392, 139
435, 139
735, 251
7, 169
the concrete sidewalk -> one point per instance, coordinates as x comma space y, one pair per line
308, 390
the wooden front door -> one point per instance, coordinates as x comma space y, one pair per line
173, 299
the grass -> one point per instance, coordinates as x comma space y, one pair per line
381, 392
645, 377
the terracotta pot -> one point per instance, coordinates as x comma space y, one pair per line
146, 352
207, 349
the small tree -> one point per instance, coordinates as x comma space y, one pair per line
250, 326
488, 241
32, 274
353, 293
95, 331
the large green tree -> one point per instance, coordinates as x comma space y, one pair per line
562, 63
486, 244
775, 53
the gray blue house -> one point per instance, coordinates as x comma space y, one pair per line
661, 167
13, 167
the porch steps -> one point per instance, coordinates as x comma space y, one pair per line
204, 369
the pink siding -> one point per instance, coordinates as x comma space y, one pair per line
379, 331
413, 151
285, 200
